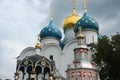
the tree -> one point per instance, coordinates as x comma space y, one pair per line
107, 57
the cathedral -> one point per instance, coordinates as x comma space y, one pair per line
58, 58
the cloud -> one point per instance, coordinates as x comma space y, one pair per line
9, 51
20, 22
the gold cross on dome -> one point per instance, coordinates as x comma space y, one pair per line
74, 3
38, 37
51, 14
80, 29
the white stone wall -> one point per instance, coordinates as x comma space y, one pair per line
67, 56
48, 40
69, 34
91, 36
52, 49
27, 52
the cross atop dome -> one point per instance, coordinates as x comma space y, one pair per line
74, 6
38, 37
38, 43
51, 14
85, 5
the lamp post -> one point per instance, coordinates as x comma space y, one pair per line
32, 77
16, 75
51, 76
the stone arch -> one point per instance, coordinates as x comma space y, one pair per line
38, 70
22, 69
46, 70
29, 69
25, 62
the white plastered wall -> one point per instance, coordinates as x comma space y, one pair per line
48, 40
29, 51
69, 34
52, 49
91, 36
67, 56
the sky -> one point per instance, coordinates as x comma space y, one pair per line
22, 20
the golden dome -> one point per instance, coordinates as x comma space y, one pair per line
70, 21
37, 45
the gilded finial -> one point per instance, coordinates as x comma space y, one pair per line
51, 76
80, 35
85, 5
74, 6
17, 72
38, 44
33, 71
51, 14
38, 37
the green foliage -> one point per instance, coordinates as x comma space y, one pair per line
107, 57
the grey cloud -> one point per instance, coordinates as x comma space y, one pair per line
20, 22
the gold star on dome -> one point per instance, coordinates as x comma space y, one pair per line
86, 21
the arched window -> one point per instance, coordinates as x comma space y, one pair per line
22, 68
46, 70
29, 69
38, 70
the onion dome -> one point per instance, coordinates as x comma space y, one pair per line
87, 23
51, 31
37, 45
70, 21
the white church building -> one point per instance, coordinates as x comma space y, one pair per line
58, 58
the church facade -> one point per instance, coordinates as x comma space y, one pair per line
66, 59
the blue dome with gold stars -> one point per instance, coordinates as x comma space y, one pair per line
87, 23
51, 31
